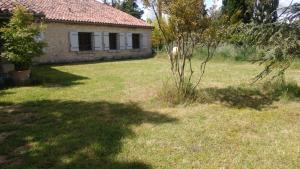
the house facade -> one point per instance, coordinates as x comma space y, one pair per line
86, 30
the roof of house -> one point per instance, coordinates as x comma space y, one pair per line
75, 11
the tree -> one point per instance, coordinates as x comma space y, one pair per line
238, 10
211, 37
20, 39
157, 38
265, 11
187, 27
131, 7
246, 10
278, 43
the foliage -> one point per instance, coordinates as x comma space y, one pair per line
238, 10
260, 11
211, 38
291, 13
158, 40
187, 27
265, 11
248, 11
3, 22
181, 35
20, 39
277, 43
131, 7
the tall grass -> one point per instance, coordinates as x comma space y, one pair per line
227, 52
170, 95
296, 64
282, 89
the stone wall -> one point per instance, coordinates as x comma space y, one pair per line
58, 44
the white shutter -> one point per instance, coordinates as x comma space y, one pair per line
122, 41
106, 40
144, 40
74, 42
129, 41
98, 42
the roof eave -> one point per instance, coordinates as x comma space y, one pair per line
97, 23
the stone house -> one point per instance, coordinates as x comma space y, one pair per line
85, 30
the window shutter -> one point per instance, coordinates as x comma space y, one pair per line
98, 42
106, 40
122, 41
144, 40
74, 43
129, 41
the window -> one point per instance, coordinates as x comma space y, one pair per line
136, 41
113, 45
85, 41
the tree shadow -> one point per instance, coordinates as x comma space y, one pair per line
237, 97
3, 92
50, 77
71, 134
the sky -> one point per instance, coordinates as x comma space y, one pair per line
209, 3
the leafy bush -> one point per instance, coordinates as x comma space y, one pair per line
20, 39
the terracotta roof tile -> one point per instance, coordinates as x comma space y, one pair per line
84, 11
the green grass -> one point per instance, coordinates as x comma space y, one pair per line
107, 115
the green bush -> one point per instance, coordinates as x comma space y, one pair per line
20, 39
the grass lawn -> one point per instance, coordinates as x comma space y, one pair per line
106, 116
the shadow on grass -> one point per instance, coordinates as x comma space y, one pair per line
50, 77
250, 97
70, 134
3, 93
237, 97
